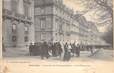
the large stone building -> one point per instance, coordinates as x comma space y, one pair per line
52, 21
56, 22
26, 21
74, 31
18, 25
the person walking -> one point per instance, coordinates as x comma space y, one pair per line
59, 49
67, 55
78, 50
31, 47
44, 51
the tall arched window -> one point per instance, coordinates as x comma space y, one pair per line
26, 29
26, 39
26, 8
43, 36
14, 5
14, 27
42, 10
42, 23
14, 38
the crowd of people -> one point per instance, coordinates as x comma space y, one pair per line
46, 50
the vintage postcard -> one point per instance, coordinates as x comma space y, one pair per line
65, 36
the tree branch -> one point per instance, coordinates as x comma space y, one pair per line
105, 4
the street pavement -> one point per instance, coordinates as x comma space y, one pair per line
100, 54
17, 60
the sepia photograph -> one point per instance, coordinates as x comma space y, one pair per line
56, 32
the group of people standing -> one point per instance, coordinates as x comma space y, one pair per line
46, 50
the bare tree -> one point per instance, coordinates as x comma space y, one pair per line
104, 6
103, 9
108, 6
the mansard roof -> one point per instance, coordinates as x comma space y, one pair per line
58, 3
46, 2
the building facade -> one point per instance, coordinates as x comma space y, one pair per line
74, 31
18, 22
88, 32
52, 21
26, 21
55, 22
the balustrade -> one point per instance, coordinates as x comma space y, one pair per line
17, 16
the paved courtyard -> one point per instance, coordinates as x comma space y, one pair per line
100, 54
19, 61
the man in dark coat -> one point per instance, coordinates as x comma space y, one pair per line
78, 50
53, 49
73, 48
35, 49
54, 52
44, 51
67, 55
38, 50
59, 49
31, 47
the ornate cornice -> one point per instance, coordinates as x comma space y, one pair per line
19, 17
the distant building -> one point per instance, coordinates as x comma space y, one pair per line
88, 32
18, 25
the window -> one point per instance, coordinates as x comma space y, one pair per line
26, 38
14, 38
42, 10
26, 29
56, 24
42, 23
14, 27
26, 9
14, 5
43, 36
48, 22
60, 28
